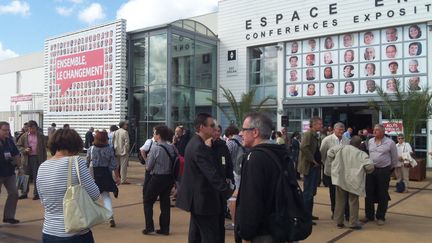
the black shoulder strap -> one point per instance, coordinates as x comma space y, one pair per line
166, 150
272, 155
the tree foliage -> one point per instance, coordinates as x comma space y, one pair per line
410, 107
240, 108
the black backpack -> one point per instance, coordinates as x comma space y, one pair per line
238, 156
175, 164
290, 221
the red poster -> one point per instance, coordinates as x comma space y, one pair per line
84, 66
393, 128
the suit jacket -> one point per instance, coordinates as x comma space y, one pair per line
121, 142
203, 186
22, 144
308, 147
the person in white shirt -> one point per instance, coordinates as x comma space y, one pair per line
405, 160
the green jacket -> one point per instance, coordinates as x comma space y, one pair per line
22, 144
308, 146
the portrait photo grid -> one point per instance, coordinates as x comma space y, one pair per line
88, 72
356, 63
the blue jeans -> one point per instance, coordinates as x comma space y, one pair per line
310, 184
85, 238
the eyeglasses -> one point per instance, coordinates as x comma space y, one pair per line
212, 125
247, 129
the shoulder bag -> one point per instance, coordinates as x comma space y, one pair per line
80, 211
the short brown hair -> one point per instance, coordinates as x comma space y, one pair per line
101, 139
65, 139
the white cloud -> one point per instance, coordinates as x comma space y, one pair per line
145, 13
6, 53
92, 13
15, 7
64, 11
76, 1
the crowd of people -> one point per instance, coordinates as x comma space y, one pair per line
221, 173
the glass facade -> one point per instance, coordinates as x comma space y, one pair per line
172, 74
263, 71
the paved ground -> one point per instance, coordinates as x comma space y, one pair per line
409, 218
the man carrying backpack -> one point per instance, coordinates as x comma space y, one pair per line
261, 176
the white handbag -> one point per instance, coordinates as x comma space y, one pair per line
80, 211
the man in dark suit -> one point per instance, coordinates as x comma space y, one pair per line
89, 138
203, 187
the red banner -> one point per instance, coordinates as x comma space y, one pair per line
84, 66
393, 128
21, 98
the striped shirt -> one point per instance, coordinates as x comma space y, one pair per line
52, 184
159, 162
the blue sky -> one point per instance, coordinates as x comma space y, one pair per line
24, 25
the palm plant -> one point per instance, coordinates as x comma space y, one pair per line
411, 107
240, 108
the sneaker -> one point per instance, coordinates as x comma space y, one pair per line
380, 222
340, 226
11, 221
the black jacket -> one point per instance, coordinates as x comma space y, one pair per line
223, 158
255, 200
88, 139
203, 187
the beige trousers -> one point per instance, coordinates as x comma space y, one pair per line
123, 164
353, 202
402, 173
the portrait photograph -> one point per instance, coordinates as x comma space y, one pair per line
329, 72
293, 47
391, 68
348, 40
349, 71
329, 43
370, 69
330, 88
415, 83
414, 66
348, 56
369, 86
310, 59
348, 87
390, 85
392, 51
293, 91
391, 34
370, 37
370, 53
311, 89
293, 75
415, 49
329, 58
311, 45
310, 74
415, 32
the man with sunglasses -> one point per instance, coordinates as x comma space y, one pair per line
203, 188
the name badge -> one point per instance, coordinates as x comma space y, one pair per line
223, 160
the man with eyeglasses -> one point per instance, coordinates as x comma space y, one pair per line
256, 196
203, 188
9, 159
383, 153
310, 163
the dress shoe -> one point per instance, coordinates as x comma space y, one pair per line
365, 220
340, 226
23, 197
162, 232
147, 231
380, 222
112, 223
36, 198
356, 227
315, 218
11, 221
116, 192
126, 183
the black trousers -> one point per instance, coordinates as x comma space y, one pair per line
158, 185
32, 169
206, 228
377, 185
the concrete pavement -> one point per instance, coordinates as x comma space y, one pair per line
409, 218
